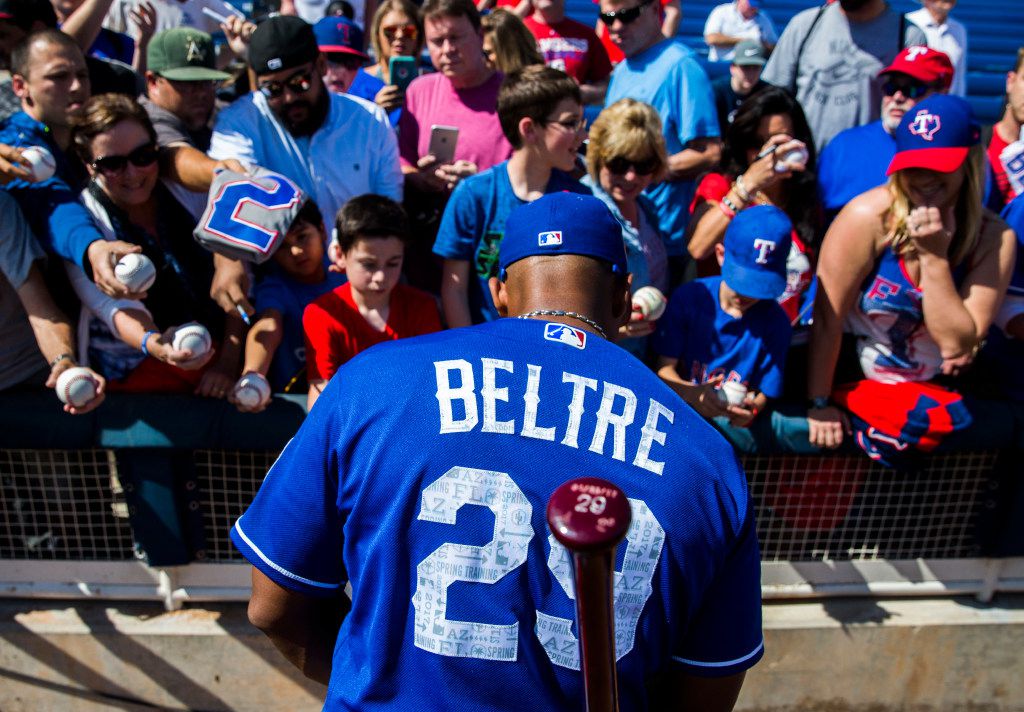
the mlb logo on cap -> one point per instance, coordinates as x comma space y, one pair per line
552, 238
565, 334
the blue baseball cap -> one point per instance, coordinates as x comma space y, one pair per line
563, 224
339, 34
936, 134
757, 244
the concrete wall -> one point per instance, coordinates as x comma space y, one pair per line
853, 655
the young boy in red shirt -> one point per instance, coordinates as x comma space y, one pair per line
372, 307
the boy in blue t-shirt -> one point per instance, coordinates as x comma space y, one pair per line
541, 114
275, 347
725, 329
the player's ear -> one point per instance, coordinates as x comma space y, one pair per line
720, 253
498, 295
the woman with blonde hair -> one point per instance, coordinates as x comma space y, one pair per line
915, 271
508, 43
625, 154
395, 31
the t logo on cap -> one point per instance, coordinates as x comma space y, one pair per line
763, 248
926, 125
915, 52
551, 238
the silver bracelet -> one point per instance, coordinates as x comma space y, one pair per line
58, 359
741, 190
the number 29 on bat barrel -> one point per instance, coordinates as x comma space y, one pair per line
590, 516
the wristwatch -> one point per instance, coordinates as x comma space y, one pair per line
819, 402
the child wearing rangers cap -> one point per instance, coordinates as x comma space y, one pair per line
729, 329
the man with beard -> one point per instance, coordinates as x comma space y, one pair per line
333, 146
856, 159
829, 56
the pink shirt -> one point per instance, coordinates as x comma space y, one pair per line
431, 99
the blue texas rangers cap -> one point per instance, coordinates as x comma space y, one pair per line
757, 244
936, 134
339, 35
563, 224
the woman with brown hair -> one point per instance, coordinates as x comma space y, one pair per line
113, 136
396, 31
508, 43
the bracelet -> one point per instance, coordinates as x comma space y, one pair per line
726, 210
58, 359
731, 205
145, 340
741, 190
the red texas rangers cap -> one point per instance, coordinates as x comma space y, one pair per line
924, 64
936, 134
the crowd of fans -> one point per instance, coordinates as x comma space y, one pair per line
823, 217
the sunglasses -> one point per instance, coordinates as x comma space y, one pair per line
624, 16
392, 31
620, 166
143, 156
911, 90
298, 83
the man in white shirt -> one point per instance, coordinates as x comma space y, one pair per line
731, 23
171, 14
334, 146
946, 35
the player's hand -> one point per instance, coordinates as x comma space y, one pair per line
101, 386
452, 173
929, 232
637, 327
230, 285
103, 255
12, 166
826, 427
390, 97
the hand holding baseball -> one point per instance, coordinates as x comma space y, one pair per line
80, 389
12, 165
103, 255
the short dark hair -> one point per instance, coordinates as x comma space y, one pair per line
452, 8
310, 214
533, 92
21, 59
101, 113
369, 216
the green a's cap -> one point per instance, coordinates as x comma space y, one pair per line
183, 54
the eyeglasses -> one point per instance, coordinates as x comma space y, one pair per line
572, 125
298, 83
911, 90
624, 16
620, 166
143, 156
392, 31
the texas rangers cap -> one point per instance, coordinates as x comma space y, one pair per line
247, 216
935, 134
563, 224
183, 54
749, 53
339, 34
757, 244
282, 42
923, 64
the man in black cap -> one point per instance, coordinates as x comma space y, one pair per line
332, 145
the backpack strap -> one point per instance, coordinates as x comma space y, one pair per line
803, 44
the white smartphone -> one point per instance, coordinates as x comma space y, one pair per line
442, 143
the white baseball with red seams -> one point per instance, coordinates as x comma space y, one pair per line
651, 301
252, 390
41, 163
76, 386
135, 271
192, 337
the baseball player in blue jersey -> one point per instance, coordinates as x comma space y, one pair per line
421, 476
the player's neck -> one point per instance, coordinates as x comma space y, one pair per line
529, 172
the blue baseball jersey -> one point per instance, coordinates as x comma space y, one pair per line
708, 342
421, 477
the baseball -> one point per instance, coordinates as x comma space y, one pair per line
135, 271
651, 302
796, 157
40, 162
76, 386
733, 392
192, 337
252, 390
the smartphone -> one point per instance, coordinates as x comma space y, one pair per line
402, 71
442, 143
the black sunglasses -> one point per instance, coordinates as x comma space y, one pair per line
911, 90
624, 16
299, 83
145, 155
620, 166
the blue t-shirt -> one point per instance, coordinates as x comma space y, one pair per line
289, 297
474, 223
708, 342
365, 86
853, 162
668, 77
421, 476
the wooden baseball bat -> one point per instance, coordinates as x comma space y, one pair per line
590, 516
